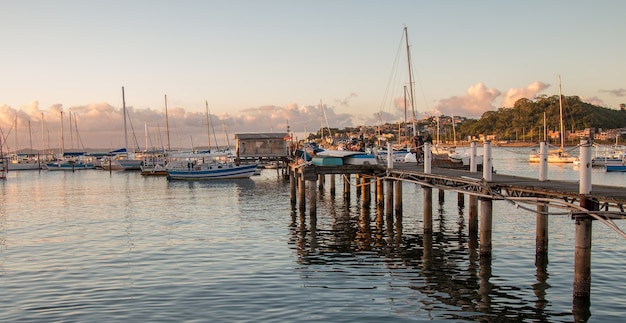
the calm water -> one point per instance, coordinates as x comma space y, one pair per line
95, 246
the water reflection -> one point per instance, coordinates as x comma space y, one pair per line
443, 266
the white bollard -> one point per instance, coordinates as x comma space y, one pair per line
487, 161
543, 161
428, 157
389, 156
473, 161
585, 166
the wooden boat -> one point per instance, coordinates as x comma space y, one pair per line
207, 166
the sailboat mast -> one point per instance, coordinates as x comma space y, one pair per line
62, 139
124, 111
71, 133
561, 115
16, 142
43, 137
30, 138
208, 130
167, 125
408, 57
405, 102
145, 131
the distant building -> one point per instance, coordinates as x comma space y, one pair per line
262, 145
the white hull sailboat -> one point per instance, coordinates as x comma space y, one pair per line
123, 160
207, 166
557, 156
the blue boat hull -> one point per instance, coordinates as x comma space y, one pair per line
241, 171
616, 168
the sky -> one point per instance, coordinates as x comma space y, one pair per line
260, 66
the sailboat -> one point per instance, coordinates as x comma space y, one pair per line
122, 159
72, 160
25, 160
558, 155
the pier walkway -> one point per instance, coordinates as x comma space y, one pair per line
511, 187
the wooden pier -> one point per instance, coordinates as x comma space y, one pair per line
583, 202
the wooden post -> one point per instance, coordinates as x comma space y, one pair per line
357, 183
582, 254
292, 189
486, 214
380, 194
473, 215
460, 200
428, 209
389, 197
346, 187
320, 180
301, 194
398, 198
313, 198
332, 184
366, 191
541, 241
442, 196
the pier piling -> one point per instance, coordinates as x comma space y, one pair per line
541, 240
301, 194
473, 158
486, 218
473, 215
543, 161
313, 198
428, 209
487, 161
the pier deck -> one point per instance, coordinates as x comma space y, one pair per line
509, 185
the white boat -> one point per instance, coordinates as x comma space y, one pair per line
554, 157
71, 161
350, 157
207, 166
154, 163
558, 155
464, 157
607, 156
24, 162
123, 160
397, 155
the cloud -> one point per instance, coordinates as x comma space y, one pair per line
477, 99
529, 92
616, 92
594, 100
346, 101
101, 126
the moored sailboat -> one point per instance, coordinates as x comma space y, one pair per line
207, 166
557, 155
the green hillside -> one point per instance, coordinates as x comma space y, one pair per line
526, 118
